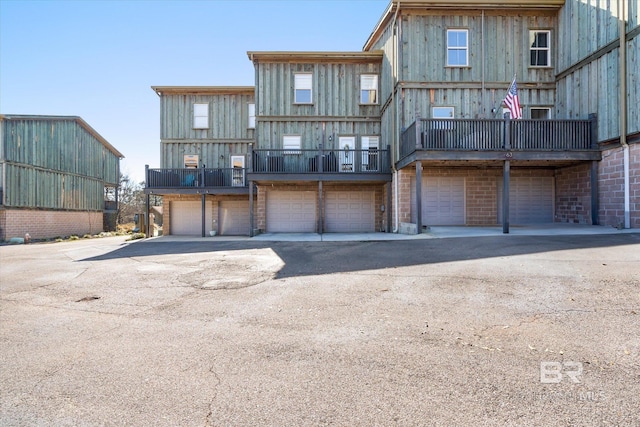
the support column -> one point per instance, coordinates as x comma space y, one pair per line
251, 207
505, 196
506, 174
388, 207
204, 215
419, 196
320, 209
147, 232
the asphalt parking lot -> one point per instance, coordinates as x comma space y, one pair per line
499, 330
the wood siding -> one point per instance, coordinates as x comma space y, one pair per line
311, 132
589, 65
505, 51
336, 89
211, 154
228, 132
58, 145
228, 117
31, 187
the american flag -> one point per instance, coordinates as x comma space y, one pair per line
512, 102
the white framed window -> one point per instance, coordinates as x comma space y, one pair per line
369, 89
370, 154
201, 116
190, 161
540, 113
292, 144
252, 116
444, 113
457, 48
540, 48
303, 86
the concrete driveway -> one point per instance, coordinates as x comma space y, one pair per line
496, 330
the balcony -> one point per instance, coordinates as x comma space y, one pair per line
320, 165
196, 181
498, 139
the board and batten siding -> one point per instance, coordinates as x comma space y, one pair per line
335, 91
30, 187
210, 153
590, 65
228, 116
311, 133
58, 145
502, 52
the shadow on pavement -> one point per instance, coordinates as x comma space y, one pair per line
313, 258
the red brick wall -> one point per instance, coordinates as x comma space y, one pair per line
43, 224
611, 186
573, 194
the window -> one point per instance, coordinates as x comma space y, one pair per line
303, 83
252, 116
291, 143
190, 161
201, 116
540, 113
457, 48
369, 89
446, 113
540, 42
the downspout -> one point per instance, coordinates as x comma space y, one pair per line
484, 108
394, 114
623, 110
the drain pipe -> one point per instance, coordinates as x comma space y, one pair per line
394, 69
623, 110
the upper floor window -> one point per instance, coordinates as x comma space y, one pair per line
369, 89
252, 116
442, 113
303, 85
201, 116
540, 113
457, 48
540, 48
291, 143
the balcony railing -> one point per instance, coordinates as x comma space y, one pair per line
200, 177
498, 135
297, 161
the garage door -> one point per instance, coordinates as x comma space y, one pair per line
233, 217
530, 200
291, 211
186, 218
349, 211
442, 200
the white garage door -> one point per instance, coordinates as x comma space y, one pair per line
349, 211
442, 200
186, 218
530, 200
233, 217
291, 211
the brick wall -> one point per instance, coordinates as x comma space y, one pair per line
43, 224
573, 194
611, 186
481, 190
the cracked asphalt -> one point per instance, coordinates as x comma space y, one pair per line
507, 330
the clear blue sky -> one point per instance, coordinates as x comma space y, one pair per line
99, 59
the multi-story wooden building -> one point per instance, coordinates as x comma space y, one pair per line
54, 173
412, 131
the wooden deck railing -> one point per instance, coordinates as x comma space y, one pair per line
496, 134
200, 177
283, 161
